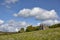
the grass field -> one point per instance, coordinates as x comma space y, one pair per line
50, 34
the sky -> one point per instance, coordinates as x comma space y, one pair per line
15, 14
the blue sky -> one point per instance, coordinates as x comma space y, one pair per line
9, 7
7, 13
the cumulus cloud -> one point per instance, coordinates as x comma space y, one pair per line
37, 13
51, 22
1, 22
13, 26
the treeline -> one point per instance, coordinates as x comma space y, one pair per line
35, 28
29, 29
32, 28
55, 26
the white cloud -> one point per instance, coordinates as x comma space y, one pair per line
11, 1
38, 24
24, 13
51, 22
8, 6
8, 3
1, 22
13, 26
15, 15
38, 13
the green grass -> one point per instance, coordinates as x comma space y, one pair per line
50, 34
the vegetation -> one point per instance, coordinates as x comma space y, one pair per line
22, 30
50, 34
54, 26
41, 27
31, 28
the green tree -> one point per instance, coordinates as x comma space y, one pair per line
21, 30
54, 26
37, 28
30, 28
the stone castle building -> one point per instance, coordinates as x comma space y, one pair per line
43, 27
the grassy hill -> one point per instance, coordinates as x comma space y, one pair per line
50, 34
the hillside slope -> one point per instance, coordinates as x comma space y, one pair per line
51, 34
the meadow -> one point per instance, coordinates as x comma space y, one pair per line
50, 34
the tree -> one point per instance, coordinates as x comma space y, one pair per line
54, 26
30, 28
21, 30
37, 28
